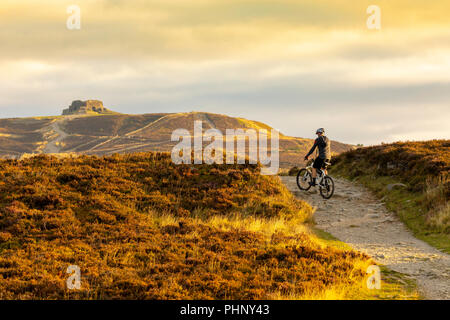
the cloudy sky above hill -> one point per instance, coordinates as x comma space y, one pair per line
296, 65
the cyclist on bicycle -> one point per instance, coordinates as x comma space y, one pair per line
323, 144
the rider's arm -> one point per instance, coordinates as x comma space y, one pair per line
316, 142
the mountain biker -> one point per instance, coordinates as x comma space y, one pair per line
323, 144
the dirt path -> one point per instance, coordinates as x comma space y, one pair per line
355, 216
56, 135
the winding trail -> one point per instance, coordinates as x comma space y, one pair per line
355, 216
56, 134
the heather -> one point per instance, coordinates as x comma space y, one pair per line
140, 227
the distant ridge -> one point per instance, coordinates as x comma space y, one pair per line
87, 127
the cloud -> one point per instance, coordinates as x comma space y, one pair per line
291, 63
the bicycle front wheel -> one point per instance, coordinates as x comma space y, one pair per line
327, 188
303, 179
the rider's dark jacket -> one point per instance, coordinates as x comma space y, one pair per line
323, 144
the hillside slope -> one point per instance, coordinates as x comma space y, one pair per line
122, 133
422, 168
140, 227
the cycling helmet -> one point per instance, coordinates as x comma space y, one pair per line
320, 130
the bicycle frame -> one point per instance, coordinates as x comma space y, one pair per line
320, 175
323, 180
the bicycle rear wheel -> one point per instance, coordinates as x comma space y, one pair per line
303, 179
327, 189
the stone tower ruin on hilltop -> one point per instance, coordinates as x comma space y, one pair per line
82, 107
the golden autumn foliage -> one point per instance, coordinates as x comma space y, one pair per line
423, 167
412, 162
140, 227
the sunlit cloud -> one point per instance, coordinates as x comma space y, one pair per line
265, 60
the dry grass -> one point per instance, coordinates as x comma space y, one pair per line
436, 198
140, 227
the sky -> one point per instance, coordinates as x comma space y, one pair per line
295, 65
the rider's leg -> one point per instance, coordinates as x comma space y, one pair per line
314, 175
318, 163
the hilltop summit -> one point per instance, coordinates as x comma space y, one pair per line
84, 107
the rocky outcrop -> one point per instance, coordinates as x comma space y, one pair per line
83, 107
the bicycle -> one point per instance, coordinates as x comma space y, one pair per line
325, 182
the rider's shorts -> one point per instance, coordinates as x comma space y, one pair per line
319, 163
